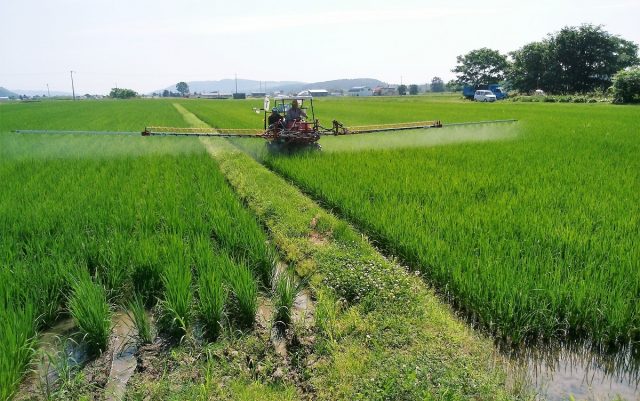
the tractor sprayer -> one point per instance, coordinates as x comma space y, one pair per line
283, 126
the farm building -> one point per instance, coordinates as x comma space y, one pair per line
360, 91
314, 92
215, 95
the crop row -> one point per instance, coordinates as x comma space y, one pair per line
91, 222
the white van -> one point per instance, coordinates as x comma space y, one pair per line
484, 96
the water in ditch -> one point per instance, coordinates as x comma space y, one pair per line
558, 372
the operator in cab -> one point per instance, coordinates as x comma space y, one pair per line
295, 113
275, 119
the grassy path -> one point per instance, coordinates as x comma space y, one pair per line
381, 333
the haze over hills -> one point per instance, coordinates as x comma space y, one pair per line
6, 92
19, 92
247, 85
229, 86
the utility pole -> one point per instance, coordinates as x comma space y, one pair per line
73, 90
48, 93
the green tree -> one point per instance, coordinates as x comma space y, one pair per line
481, 66
402, 90
413, 89
587, 57
576, 59
626, 86
182, 88
437, 84
122, 93
532, 67
453, 86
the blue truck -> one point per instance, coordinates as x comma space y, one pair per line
468, 91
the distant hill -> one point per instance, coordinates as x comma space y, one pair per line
6, 92
29, 92
338, 84
229, 86
247, 85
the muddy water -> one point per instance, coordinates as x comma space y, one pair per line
123, 360
557, 373
60, 351
303, 308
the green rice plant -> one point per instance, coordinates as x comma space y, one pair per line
177, 298
138, 314
284, 294
17, 339
146, 273
234, 231
245, 293
212, 299
530, 229
111, 205
89, 308
113, 268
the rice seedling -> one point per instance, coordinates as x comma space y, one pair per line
244, 303
212, 297
112, 206
146, 273
284, 294
89, 308
138, 314
176, 305
17, 338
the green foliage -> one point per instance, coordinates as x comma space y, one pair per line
182, 88
122, 93
284, 294
212, 297
176, 305
369, 346
532, 67
140, 319
111, 205
481, 66
573, 60
454, 86
626, 86
413, 89
467, 214
402, 90
437, 84
17, 338
89, 308
244, 290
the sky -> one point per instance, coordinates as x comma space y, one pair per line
148, 45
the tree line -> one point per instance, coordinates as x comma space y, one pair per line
574, 60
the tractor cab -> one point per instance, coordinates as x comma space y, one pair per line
302, 131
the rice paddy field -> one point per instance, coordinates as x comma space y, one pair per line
90, 222
530, 229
